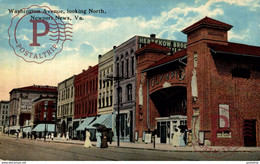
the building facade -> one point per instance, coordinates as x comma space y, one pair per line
4, 116
45, 115
125, 66
86, 94
105, 87
21, 101
65, 110
208, 93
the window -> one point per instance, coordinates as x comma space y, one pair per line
119, 90
100, 84
129, 92
117, 69
132, 65
195, 59
71, 108
107, 99
122, 69
127, 65
107, 83
104, 84
53, 116
241, 72
99, 102
71, 91
103, 100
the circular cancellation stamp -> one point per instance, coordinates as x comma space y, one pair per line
226, 134
37, 33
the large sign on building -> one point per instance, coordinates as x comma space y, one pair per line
26, 105
174, 46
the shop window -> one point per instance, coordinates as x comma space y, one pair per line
241, 72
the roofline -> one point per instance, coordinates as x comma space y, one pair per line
163, 64
237, 54
66, 79
4, 101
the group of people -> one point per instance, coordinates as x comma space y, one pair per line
102, 139
178, 138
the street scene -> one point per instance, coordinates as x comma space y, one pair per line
31, 150
130, 80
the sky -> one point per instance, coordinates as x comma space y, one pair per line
99, 32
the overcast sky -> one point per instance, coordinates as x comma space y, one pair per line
98, 33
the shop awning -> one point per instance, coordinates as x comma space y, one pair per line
27, 130
86, 122
105, 119
42, 127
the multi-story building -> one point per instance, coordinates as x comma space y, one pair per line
21, 100
45, 115
105, 88
125, 66
65, 110
4, 115
206, 94
86, 91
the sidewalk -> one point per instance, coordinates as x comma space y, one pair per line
161, 147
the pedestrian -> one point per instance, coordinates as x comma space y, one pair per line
52, 136
182, 143
98, 136
110, 136
87, 140
28, 135
176, 138
104, 140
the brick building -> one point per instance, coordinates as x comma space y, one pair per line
125, 66
86, 94
208, 93
44, 116
21, 100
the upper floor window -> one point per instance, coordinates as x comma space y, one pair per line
241, 72
132, 65
129, 92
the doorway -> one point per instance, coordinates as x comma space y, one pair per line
249, 132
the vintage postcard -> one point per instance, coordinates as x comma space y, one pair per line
118, 80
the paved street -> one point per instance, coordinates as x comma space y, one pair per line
27, 150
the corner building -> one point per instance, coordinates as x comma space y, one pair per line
207, 93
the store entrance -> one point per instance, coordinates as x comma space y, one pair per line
171, 104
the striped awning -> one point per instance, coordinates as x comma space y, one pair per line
44, 127
86, 122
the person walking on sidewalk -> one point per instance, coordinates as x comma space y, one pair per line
104, 140
98, 136
110, 136
87, 140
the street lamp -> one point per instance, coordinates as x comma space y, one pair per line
117, 79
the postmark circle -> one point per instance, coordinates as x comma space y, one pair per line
37, 33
